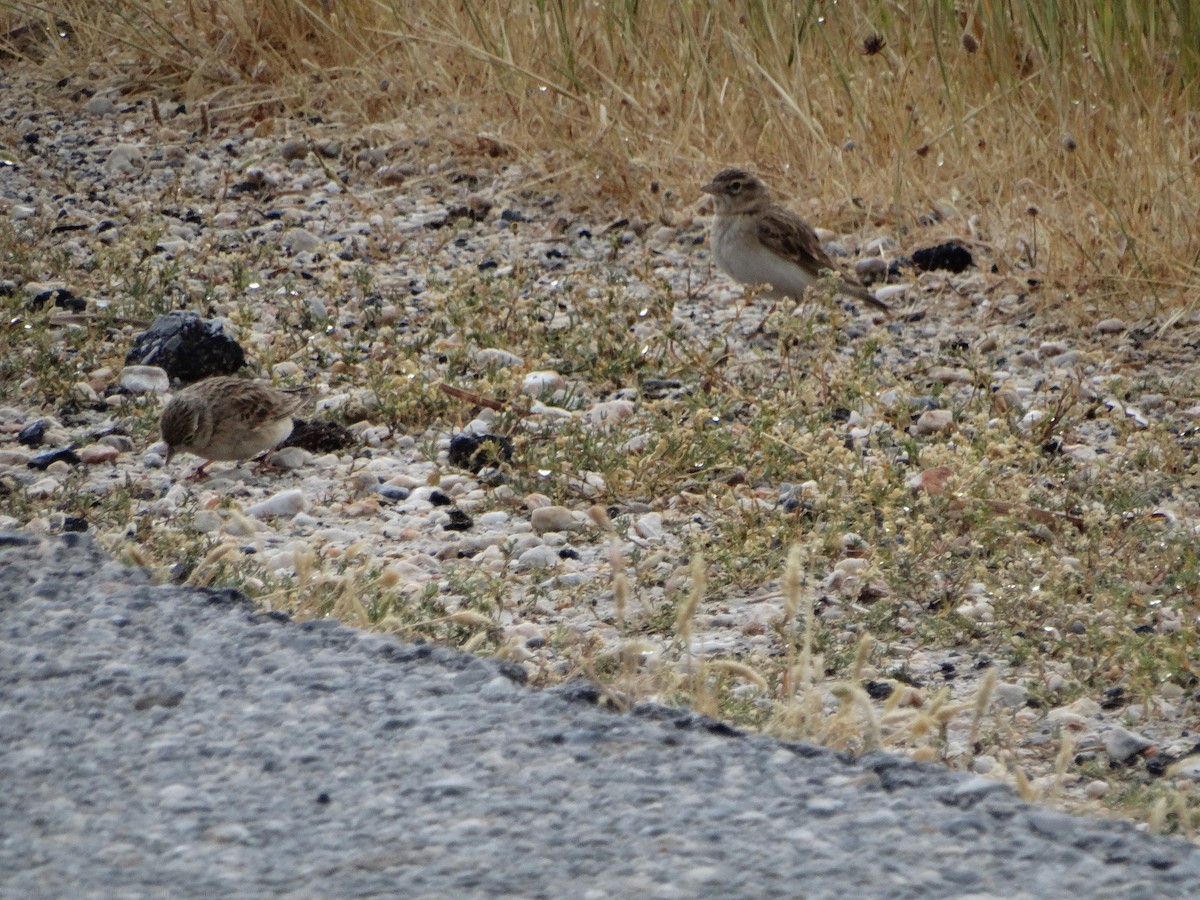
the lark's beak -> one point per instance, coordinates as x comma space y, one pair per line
710, 188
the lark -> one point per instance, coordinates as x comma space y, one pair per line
226, 418
756, 242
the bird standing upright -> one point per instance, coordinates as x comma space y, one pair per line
756, 242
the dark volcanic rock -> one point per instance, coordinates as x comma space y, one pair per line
474, 452
951, 257
187, 347
319, 436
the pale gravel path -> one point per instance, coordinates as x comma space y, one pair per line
165, 741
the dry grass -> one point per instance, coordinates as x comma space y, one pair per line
1062, 135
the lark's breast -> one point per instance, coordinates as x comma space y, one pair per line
739, 253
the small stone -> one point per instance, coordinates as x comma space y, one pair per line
494, 358
82, 392
984, 764
554, 518
950, 257
206, 521
1010, 695
650, 527
948, 375
1094, 790
32, 434
289, 458
330, 149
539, 384
1048, 349
871, 269
475, 452
1006, 400
293, 149
94, 454
1111, 326
935, 421
299, 240
1122, 746
609, 412
125, 159
316, 308
144, 380
538, 558
99, 106
286, 503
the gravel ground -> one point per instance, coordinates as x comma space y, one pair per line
175, 741
369, 265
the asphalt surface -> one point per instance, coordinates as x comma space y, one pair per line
174, 742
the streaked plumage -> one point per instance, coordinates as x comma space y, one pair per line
227, 418
756, 242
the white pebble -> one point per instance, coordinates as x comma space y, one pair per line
494, 358
144, 380
609, 412
538, 558
935, 421
289, 458
650, 527
538, 384
1010, 695
285, 503
554, 518
125, 159
297, 240
1094, 790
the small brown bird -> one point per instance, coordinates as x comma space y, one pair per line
756, 242
226, 418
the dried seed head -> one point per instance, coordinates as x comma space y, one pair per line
923, 150
970, 42
1068, 143
873, 43
1031, 210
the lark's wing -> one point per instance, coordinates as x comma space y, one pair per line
788, 235
264, 403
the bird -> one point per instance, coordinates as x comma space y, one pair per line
756, 242
227, 418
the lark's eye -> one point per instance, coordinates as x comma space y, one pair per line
735, 187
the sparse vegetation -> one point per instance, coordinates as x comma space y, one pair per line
1062, 150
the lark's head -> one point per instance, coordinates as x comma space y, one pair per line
179, 423
737, 192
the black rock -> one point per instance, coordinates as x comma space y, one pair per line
660, 388
74, 523
459, 521
45, 460
60, 297
879, 690
951, 257
475, 451
319, 436
32, 434
437, 498
187, 347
